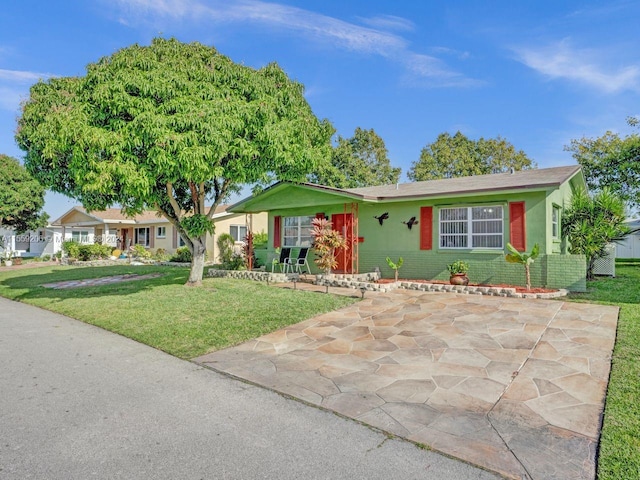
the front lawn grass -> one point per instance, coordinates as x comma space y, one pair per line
619, 456
162, 312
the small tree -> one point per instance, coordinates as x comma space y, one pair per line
21, 198
591, 223
325, 242
395, 266
523, 258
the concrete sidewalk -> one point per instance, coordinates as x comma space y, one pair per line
78, 402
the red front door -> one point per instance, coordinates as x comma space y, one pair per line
343, 223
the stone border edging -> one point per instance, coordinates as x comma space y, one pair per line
365, 282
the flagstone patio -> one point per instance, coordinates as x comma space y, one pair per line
516, 386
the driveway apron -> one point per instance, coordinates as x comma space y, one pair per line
516, 386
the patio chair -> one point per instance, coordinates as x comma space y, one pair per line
297, 263
282, 261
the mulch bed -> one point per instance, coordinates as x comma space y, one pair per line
518, 288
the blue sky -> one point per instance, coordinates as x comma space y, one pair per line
537, 73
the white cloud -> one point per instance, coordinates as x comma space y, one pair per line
388, 22
329, 30
562, 61
19, 76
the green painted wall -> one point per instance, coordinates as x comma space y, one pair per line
394, 239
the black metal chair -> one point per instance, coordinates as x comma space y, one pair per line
297, 263
283, 260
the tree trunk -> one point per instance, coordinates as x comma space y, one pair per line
528, 275
197, 262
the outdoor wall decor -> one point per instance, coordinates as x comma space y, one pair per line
382, 217
412, 221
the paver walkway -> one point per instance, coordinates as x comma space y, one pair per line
515, 386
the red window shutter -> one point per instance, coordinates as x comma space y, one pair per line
277, 233
426, 228
320, 215
517, 224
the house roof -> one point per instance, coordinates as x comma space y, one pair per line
115, 215
525, 179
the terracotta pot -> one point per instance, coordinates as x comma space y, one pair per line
459, 279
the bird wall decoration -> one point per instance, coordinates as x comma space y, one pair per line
382, 217
412, 221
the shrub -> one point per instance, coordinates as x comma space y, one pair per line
182, 255
71, 248
46, 258
140, 252
161, 255
459, 267
225, 244
260, 240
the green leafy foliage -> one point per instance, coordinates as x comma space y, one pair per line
182, 255
166, 127
86, 252
139, 251
260, 240
198, 225
458, 156
458, 267
325, 242
611, 161
359, 161
592, 223
523, 258
21, 197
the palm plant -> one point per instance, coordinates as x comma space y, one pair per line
523, 258
591, 223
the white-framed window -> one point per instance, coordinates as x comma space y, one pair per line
238, 232
555, 222
80, 236
297, 231
142, 236
472, 227
161, 232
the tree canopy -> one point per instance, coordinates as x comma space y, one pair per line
458, 156
359, 161
611, 161
171, 127
21, 197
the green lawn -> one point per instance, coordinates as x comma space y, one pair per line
162, 312
619, 456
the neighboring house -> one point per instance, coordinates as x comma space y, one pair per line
630, 246
431, 224
113, 228
34, 243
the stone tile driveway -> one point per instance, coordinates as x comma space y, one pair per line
516, 386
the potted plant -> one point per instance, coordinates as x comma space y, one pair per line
458, 272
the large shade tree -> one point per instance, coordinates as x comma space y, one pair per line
359, 161
21, 197
459, 156
611, 161
173, 127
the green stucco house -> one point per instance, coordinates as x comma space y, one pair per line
431, 224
